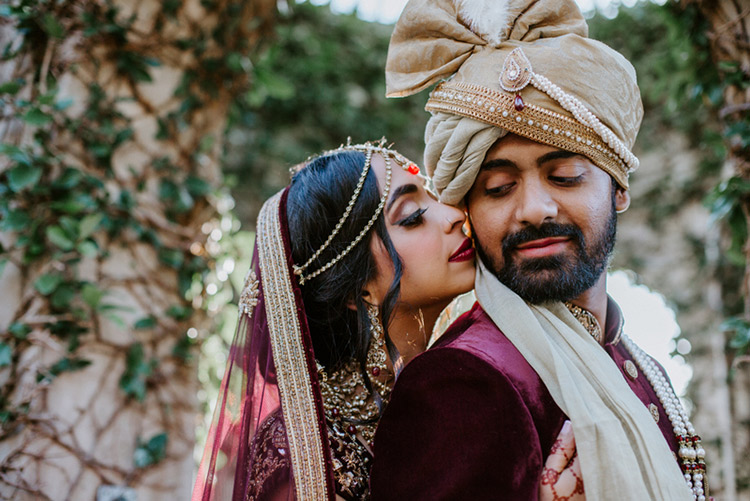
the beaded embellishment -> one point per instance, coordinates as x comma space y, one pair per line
691, 452
249, 295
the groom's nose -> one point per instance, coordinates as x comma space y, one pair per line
535, 205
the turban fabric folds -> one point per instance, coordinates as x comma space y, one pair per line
519, 66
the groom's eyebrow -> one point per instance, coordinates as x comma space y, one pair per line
556, 155
497, 163
401, 190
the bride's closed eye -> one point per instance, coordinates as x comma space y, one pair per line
413, 219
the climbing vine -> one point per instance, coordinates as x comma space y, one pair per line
96, 164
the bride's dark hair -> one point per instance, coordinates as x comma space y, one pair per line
318, 196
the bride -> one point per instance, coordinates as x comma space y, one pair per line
353, 263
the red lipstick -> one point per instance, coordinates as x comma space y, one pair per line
463, 253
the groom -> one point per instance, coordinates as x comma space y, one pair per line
532, 134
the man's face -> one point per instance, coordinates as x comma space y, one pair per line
543, 219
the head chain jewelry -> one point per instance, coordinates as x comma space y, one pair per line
368, 149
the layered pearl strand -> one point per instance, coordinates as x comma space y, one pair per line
584, 116
692, 454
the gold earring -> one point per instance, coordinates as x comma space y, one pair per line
376, 354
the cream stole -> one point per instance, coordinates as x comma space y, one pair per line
622, 451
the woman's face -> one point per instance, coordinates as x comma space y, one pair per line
437, 258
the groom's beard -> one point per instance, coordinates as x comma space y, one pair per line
561, 277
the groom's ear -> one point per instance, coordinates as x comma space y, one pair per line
622, 200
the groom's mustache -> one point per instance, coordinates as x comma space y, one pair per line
546, 230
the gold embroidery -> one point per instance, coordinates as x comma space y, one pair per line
350, 458
587, 319
249, 295
298, 405
533, 122
270, 458
351, 463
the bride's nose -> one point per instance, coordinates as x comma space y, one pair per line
454, 218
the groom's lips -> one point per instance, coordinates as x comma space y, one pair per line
463, 253
542, 247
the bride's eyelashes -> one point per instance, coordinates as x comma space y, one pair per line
413, 219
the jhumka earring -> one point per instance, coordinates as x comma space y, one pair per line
376, 354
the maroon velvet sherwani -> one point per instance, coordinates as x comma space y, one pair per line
470, 419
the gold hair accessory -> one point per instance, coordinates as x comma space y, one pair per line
368, 149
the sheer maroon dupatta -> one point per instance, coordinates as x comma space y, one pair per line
268, 437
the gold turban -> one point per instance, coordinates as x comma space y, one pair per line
519, 66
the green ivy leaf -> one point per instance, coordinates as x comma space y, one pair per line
68, 179
87, 248
63, 296
48, 283
148, 322
12, 87
16, 220
92, 295
6, 355
15, 153
137, 371
36, 117
196, 186
22, 176
89, 224
179, 312
63, 104
741, 329
150, 452
57, 236
52, 26
171, 257
19, 330
66, 364
183, 348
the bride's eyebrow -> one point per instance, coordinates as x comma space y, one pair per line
404, 189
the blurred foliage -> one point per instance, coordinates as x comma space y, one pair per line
680, 87
321, 82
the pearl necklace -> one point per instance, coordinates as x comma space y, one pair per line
692, 454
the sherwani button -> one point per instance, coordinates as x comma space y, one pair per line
654, 412
630, 369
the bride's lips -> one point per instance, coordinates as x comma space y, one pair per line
463, 253
542, 247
